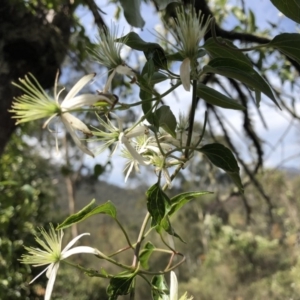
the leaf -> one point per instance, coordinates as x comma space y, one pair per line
167, 227
162, 4
158, 203
107, 208
164, 117
145, 255
157, 77
156, 53
214, 97
159, 288
120, 284
132, 12
177, 56
234, 68
181, 199
290, 8
216, 50
288, 44
222, 157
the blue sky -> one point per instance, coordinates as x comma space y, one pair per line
277, 121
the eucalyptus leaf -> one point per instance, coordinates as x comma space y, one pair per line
222, 157
158, 203
216, 50
107, 208
181, 199
290, 8
132, 12
214, 97
237, 69
288, 44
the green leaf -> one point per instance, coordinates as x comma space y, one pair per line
98, 170
237, 69
181, 199
222, 157
107, 208
120, 284
290, 8
145, 255
164, 117
159, 288
157, 77
177, 56
165, 225
288, 44
158, 203
216, 50
213, 97
162, 4
132, 12
156, 54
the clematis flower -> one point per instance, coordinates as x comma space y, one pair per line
174, 289
188, 32
36, 104
51, 254
108, 54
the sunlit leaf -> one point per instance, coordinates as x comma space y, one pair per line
160, 288
120, 284
145, 255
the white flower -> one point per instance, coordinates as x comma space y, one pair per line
174, 289
117, 135
108, 54
36, 104
51, 254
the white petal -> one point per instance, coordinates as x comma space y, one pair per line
185, 74
78, 86
109, 80
124, 70
138, 131
40, 274
132, 151
76, 140
173, 287
75, 123
82, 100
80, 249
71, 243
51, 281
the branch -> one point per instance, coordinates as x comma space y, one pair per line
96, 13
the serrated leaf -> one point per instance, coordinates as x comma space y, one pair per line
164, 117
120, 284
290, 8
145, 255
241, 71
288, 44
222, 157
132, 12
181, 199
159, 288
107, 208
214, 97
158, 203
216, 50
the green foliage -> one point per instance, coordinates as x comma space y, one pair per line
289, 8
26, 194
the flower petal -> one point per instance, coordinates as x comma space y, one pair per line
80, 249
76, 139
78, 86
109, 80
173, 286
75, 123
40, 274
51, 281
185, 74
82, 100
132, 151
71, 243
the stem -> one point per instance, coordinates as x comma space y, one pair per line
125, 234
192, 118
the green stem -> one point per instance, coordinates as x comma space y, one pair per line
125, 233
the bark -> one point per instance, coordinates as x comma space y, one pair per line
28, 43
